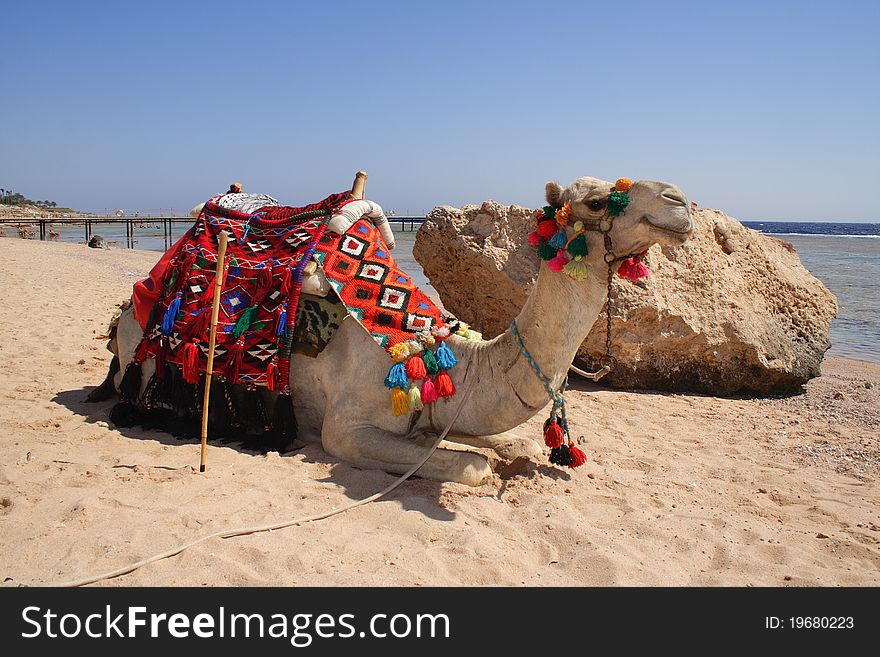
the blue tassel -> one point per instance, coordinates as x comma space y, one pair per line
281, 331
559, 240
171, 314
445, 357
397, 377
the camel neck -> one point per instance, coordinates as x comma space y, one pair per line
552, 324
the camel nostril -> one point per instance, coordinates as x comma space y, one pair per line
675, 196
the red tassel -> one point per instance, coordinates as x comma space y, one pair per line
633, 268
200, 325
547, 229
553, 435
272, 377
285, 282
233, 363
578, 458
190, 356
415, 368
142, 351
444, 385
264, 284
207, 295
429, 391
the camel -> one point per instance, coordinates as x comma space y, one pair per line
341, 402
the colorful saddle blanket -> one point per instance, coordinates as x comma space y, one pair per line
266, 256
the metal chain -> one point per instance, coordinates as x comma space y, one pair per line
609, 258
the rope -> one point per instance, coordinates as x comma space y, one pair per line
243, 531
555, 395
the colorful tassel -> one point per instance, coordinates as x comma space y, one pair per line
244, 322
534, 238
200, 326
560, 455
546, 252
190, 356
431, 366
559, 240
281, 327
547, 229
264, 284
558, 263
553, 434
171, 314
415, 368
429, 391
445, 358
272, 377
397, 377
578, 458
578, 246
577, 269
415, 399
617, 203
633, 268
399, 402
444, 385
233, 362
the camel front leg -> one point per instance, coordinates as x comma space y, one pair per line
372, 448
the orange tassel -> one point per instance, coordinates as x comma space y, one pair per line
444, 385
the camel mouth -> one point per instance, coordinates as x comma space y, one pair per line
678, 224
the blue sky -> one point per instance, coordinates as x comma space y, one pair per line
766, 110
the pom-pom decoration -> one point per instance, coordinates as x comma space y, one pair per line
429, 391
547, 229
617, 202
577, 269
558, 263
623, 185
553, 434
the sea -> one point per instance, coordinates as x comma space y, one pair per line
844, 256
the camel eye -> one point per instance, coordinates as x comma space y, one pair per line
597, 204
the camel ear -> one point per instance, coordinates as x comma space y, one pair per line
554, 193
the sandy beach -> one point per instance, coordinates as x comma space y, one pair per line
678, 489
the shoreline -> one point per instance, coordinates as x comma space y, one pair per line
678, 490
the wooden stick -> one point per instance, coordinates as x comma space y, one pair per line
215, 312
360, 182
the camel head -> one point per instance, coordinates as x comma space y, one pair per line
657, 212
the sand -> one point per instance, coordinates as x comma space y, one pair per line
679, 489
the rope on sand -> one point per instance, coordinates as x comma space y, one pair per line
243, 531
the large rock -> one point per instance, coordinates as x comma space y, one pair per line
730, 312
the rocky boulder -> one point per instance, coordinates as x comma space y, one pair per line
730, 312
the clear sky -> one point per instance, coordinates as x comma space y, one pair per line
767, 110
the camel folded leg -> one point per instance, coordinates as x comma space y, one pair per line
374, 449
508, 445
